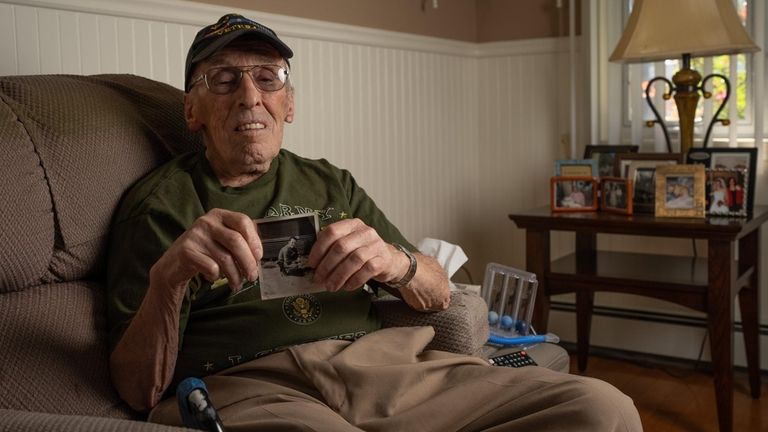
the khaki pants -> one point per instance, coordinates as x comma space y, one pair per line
385, 382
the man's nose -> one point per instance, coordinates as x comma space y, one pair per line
249, 92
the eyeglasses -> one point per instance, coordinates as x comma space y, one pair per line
226, 79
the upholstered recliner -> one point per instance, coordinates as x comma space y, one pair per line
70, 147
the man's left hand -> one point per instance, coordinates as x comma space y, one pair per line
349, 253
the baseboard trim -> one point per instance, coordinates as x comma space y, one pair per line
649, 316
642, 358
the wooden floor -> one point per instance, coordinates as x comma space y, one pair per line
672, 398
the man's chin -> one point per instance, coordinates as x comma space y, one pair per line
259, 162
259, 157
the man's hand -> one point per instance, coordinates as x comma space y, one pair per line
219, 243
349, 253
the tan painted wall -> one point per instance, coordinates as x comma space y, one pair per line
464, 20
500, 20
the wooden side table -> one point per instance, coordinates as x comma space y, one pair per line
705, 284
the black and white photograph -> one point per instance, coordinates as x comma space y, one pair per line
644, 195
287, 242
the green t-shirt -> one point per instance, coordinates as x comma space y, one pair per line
218, 330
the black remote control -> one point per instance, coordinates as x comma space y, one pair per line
513, 359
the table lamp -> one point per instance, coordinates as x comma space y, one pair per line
664, 29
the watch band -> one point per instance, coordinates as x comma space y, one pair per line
405, 280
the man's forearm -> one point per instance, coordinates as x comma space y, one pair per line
143, 361
428, 290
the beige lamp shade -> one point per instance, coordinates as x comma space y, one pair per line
664, 29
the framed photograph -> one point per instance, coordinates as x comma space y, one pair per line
622, 161
729, 158
616, 195
680, 191
605, 156
573, 194
576, 167
287, 242
727, 192
643, 176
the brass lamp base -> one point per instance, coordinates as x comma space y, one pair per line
686, 87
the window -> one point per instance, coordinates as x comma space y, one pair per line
624, 85
705, 66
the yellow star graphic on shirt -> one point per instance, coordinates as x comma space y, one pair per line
343, 215
208, 366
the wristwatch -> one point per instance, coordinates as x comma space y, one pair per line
411, 269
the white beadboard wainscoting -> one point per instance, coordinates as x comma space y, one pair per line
448, 137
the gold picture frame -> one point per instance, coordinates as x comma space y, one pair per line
576, 168
680, 191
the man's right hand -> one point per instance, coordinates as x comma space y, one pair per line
218, 243
221, 243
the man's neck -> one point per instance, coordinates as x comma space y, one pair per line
229, 178
242, 179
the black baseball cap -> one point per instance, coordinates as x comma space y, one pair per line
216, 36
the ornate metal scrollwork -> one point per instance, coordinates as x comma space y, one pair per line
708, 95
659, 120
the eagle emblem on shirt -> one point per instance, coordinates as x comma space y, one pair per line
303, 309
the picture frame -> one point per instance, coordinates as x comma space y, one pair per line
616, 195
573, 193
729, 158
727, 192
605, 154
576, 167
643, 175
622, 161
680, 191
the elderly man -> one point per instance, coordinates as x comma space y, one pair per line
184, 292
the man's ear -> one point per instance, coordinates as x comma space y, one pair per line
290, 112
189, 113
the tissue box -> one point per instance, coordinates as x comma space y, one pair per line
475, 289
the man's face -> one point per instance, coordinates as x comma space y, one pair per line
243, 130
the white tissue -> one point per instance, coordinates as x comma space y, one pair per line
450, 256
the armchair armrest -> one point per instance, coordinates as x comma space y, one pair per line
27, 421
462, 328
